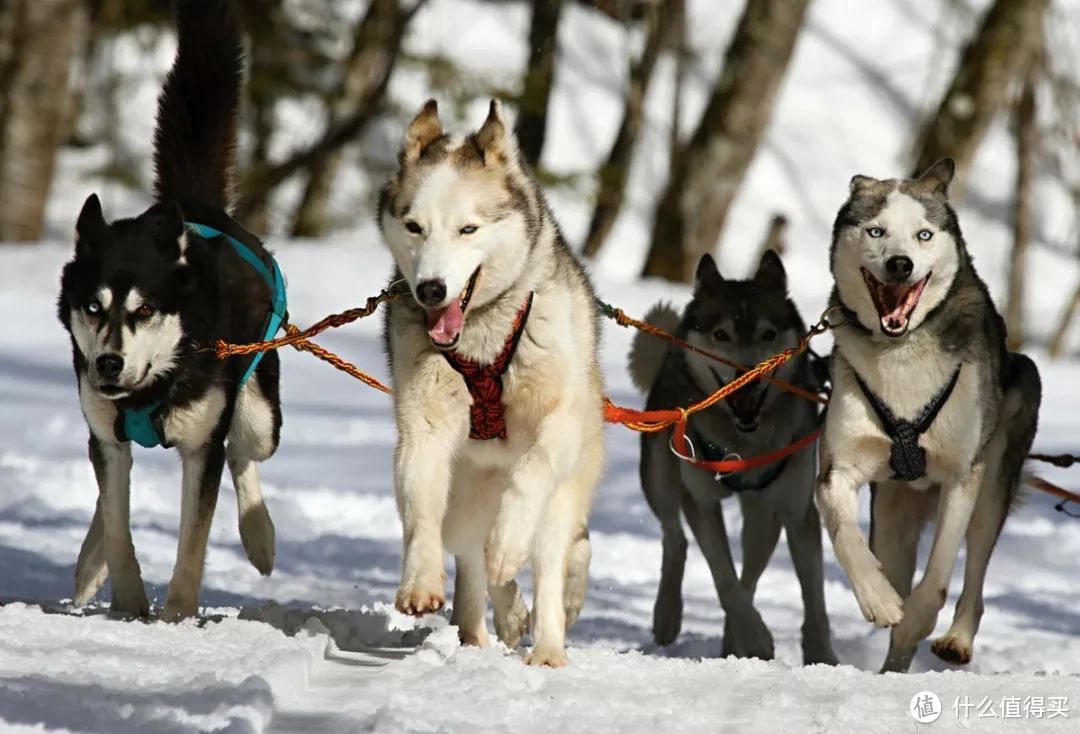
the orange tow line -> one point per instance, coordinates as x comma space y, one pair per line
645, 421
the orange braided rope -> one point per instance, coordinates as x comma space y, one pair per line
345, 366
622, 319
644, 421
651, 421
294, 337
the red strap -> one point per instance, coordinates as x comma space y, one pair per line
487, 414
734, 466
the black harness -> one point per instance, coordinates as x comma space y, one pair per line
907, 458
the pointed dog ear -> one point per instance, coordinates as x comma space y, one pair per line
937, 177
860, 183
165, 222
424, 130
770, 273
494, 139
707, 275
91, 229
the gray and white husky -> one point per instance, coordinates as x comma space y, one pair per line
928, 406
497, 394
744, 321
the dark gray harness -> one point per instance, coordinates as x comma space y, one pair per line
907, 458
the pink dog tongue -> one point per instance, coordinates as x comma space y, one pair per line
444, 324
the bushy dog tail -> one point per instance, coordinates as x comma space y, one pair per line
647, 353
195, 137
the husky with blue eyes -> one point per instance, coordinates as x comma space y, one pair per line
144, 298
744, 321
928, 407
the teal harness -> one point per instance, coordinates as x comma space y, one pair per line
143, 425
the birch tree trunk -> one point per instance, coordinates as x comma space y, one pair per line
705, 178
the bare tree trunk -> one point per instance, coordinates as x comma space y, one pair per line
1026, 132
616, 170
998, 54
704, 179
40, 39
376, 44
682, 60
775, 237
265, 176
531, 125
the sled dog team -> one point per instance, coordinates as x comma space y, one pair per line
495, 373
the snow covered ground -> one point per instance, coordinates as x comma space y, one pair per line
316, 646
249, 666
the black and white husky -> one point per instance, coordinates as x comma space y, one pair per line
144, 297
928, 406
745, 321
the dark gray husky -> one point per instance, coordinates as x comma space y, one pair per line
144, 297
744, 321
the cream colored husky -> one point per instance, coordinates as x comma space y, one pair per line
498, 398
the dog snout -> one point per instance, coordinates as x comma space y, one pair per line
899, 267
431, 292
109, 366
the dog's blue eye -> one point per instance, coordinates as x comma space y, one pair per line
721, 336
875, 232
468, 229
414, 227
925, 234
93, 308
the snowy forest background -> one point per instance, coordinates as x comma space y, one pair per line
660, 129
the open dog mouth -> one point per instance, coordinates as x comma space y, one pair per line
894, 301
745, 404
445, 324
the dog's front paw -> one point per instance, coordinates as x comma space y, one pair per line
506, 554
177, 610
747, 637
512, 624
421, 594
548, 657
878, 600
920, 615
129, 597
667, 618
952, 649
257, 535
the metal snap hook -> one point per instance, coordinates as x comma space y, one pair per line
693, 453
729, 457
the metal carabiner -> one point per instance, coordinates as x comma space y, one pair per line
730, 457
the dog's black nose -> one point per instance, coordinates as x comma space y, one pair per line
899, 266
110, 366
431, 292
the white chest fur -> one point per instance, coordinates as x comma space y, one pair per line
906, 378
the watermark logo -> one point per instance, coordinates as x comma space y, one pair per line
925, 707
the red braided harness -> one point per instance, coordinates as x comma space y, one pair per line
487, 414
